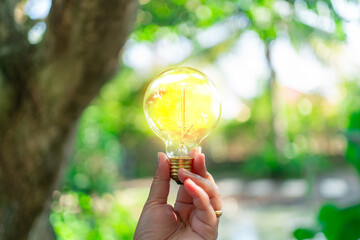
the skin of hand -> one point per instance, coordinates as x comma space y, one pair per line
192, 216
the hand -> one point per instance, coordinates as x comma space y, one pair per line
192, 216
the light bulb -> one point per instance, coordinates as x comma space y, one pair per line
182, 106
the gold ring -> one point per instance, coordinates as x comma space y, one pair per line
218, 213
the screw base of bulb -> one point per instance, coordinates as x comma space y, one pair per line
180, 162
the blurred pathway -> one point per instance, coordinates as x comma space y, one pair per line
271, 210
264, 209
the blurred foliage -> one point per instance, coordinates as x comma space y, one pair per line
335, 223
114, 117
268, 18
353, 134
113, 141
77, 215
338, 223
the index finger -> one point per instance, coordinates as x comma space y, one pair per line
200, 168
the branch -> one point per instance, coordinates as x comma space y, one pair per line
8, 28
13, 37
80, 51
15, 58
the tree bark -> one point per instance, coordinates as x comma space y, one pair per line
43, 90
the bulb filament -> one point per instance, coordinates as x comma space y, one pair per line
182, 114
183, 119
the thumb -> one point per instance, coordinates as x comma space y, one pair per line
161, 184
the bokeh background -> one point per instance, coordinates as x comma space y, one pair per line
286, 154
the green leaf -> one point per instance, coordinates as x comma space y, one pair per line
340, 224
303, 233
353, 150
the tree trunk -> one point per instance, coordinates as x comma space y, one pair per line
277, 126
43, 90
42, 228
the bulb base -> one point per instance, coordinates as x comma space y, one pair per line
180, 162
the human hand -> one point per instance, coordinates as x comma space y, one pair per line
192, 216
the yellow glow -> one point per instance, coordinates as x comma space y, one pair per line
182, 106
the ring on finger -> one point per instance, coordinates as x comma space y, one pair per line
218, 213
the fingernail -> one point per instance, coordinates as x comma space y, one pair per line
189, 181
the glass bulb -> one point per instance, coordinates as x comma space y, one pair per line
182, 106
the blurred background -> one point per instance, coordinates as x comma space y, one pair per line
286, 154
